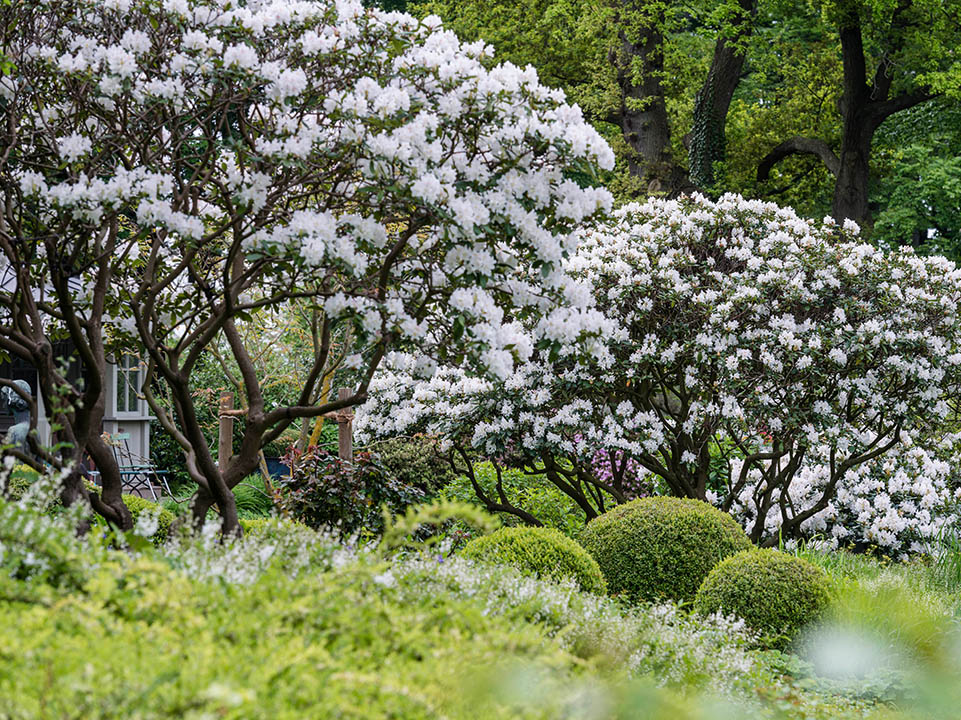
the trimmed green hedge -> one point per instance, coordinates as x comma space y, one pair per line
774, 593
661, 547
544, 552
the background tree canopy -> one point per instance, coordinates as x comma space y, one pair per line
840, 107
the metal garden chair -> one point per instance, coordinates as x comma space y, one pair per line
138, 475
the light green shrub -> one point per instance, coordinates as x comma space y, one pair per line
165, 518
146, 641
661, 548
774, 593
253, 525
543, 552
21, 477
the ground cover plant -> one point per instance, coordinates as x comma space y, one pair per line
412, 634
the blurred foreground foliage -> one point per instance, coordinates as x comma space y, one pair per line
286, 622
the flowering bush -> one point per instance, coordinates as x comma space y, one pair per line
535, 421
801, 351
178, 166
793, 340
323, 491
900, 502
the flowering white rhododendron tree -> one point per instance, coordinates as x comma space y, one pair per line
902, 501
544, 418
749, 357
169, 167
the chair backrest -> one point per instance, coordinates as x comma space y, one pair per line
120, 444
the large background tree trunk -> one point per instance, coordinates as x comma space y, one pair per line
852, 182
713, 100
863, 107
639, 61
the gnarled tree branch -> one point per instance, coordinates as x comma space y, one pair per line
798, 146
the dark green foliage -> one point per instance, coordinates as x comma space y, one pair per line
253, 498
774, 593
387, 5
543, 552
416, 461
138, 505
531, 492
280, 446
325, 492
661, 547
176, 506
918, 192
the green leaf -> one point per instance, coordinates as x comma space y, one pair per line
460, 325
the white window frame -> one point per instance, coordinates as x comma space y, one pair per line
126, 365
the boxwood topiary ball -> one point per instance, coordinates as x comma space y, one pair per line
661, 547
544, 552
774, 593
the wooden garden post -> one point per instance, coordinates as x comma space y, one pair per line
345, 421
225, 442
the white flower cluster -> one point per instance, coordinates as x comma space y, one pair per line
821, 364
278, 544
373, 158
902, 502
519, 415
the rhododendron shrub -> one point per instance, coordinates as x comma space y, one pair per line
802, 354
741, 324
176, 166
902, 502
542, 419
